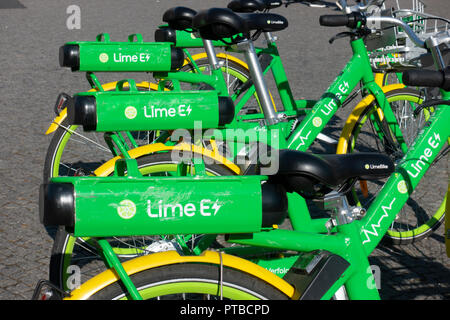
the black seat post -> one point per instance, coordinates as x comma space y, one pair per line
256, 73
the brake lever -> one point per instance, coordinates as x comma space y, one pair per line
341, 35
358, 33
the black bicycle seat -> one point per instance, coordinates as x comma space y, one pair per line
219, 23
314, 175
253, 5
179, 18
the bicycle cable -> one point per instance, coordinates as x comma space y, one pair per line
430, 104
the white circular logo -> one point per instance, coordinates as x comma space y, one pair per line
126, 209
103, 57
130, 112
317, 122
402, 187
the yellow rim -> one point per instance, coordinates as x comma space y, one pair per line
203, 55
355, 115
155, 260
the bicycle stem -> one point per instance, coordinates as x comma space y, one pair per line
433, 43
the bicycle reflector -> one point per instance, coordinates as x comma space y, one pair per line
134, 111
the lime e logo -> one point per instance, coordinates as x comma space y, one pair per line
103, 57
130, 112
317, 122
402, 187
126, 209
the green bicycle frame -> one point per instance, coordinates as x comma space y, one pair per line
356, 241
357, 70
353, 241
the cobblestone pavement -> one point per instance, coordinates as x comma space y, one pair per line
31, 78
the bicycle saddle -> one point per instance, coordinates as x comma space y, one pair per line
218, 23
253, 5
179, 18
314, 175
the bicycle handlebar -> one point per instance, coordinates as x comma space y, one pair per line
428, 78
338, 20
411, 34
351, 20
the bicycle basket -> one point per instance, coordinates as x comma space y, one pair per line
391, 49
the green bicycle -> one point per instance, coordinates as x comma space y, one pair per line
160, 163
323, 258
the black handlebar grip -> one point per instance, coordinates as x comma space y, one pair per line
333, 20
423, 78
446, 83
350, 20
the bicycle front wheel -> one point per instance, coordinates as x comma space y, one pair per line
424, 210
193, 281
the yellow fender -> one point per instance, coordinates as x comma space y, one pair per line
155, 260
108, 167
379, 77
356, 113
203, 55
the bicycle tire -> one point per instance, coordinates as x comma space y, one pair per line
69, 251
194, 281
403, 230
